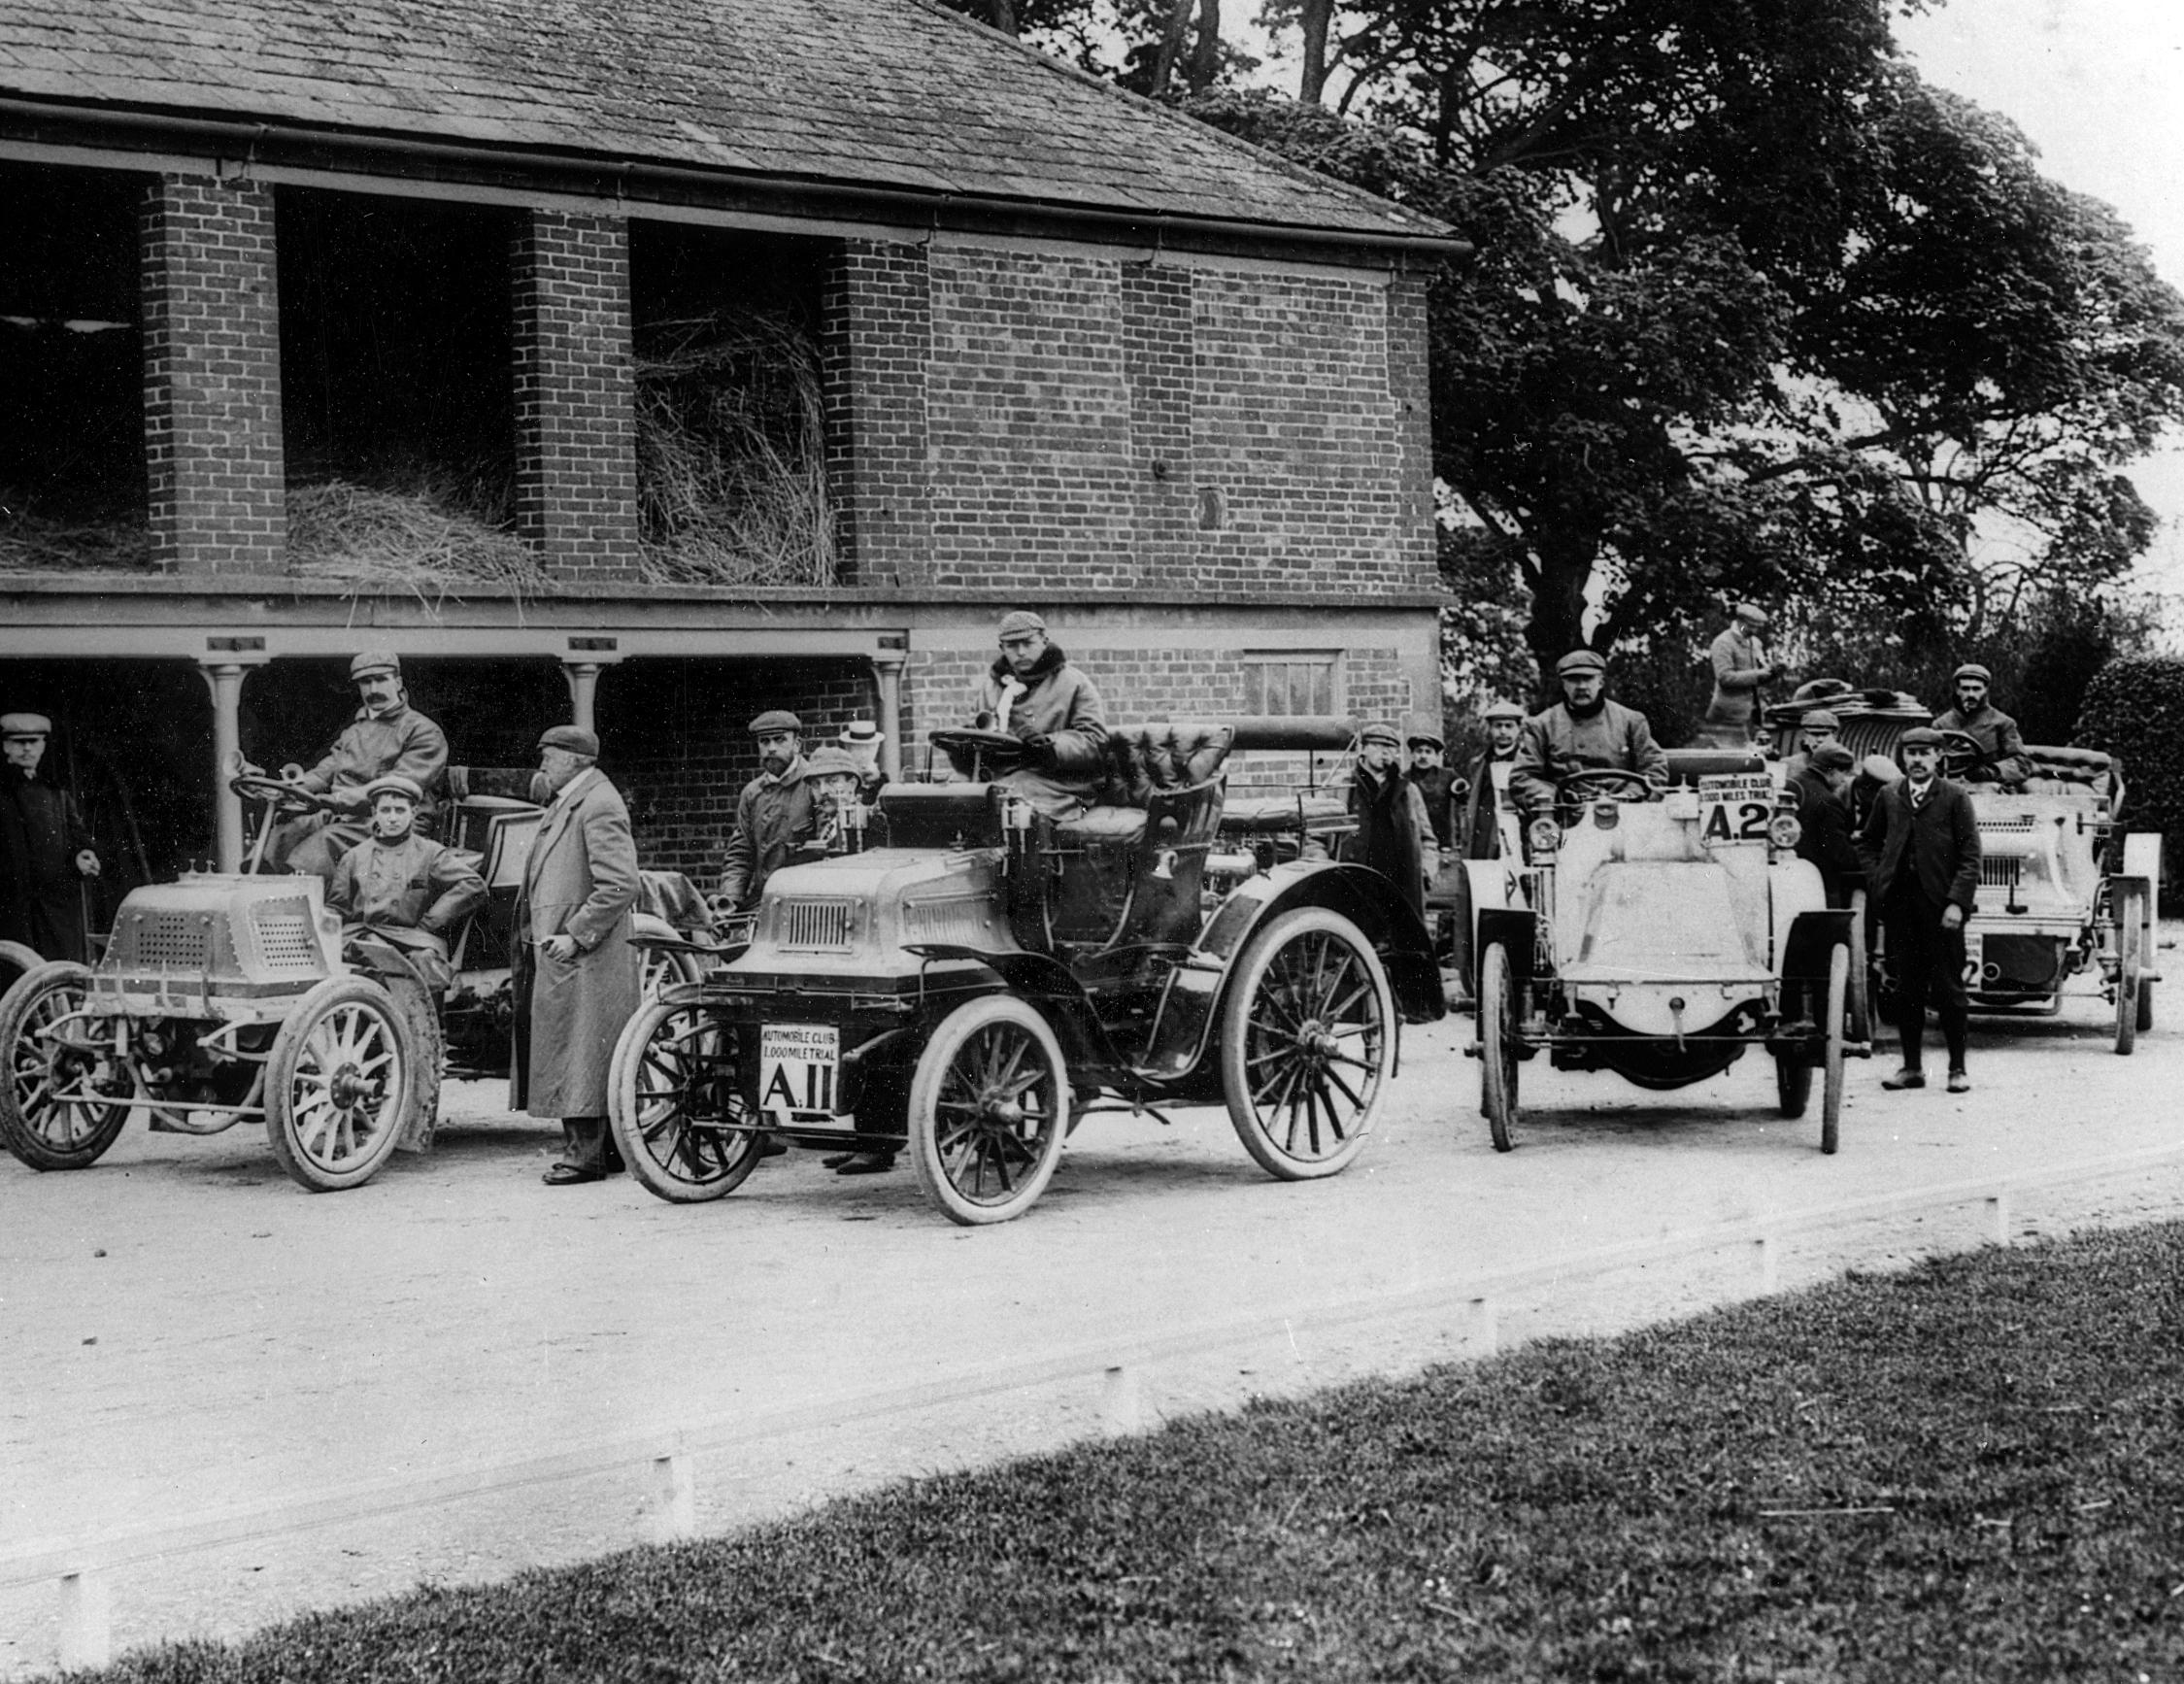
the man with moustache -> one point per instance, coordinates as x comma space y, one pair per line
576, 977
1993, 730
1584, 731
1480, 838
1919, 847
773, 815
387, 737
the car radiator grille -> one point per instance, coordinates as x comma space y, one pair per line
959, 918
2022, 827
178, 939
283, 935
817, 925
2000, 871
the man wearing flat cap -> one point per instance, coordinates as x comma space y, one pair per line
1816, 726
1919, 847
1822, 787
1740, 670
1034, 694
46, 849
773, 815
577, 978
1995, 731
1480, 838
1425, 755
387, 737
1584, 731
1393, 832
404, 888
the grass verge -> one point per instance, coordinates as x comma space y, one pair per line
1971, 1471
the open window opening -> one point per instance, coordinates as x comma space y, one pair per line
731, 449
399, 393
73, 489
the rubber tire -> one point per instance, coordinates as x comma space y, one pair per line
927, 1083
1861, 971
2145, 1006
280, 1074
17, 962
1498, 1053
2130, 930
1831, 1063
1252, 966
420, 1013
16, 1007
626, 1118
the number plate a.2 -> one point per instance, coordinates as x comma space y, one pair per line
799, 1075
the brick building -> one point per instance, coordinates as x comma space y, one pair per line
1074, 352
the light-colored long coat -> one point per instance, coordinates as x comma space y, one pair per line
580, 880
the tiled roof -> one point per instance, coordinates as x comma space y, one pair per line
897, 94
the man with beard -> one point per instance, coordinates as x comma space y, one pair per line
1036, 695
387, 738
577, 978
1584, 731
404, 888
1995, 731
773, 815
1920, 846
1391, 823
46, 849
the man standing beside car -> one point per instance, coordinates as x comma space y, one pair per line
46, 849
1488, 775
773, 815
1920, 846
1034, 694
1822, 787
576, 977
1393, 832
1741, 669
1582, 733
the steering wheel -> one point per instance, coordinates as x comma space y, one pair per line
281, 796
1962, 754
965, 743
1612, 781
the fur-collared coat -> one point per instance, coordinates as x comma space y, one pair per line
1055, 701
581, 881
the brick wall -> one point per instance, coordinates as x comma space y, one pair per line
1021, 418
212, 361
576, 454
675, 738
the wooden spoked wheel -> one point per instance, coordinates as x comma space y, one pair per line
676, 1104
989, 1111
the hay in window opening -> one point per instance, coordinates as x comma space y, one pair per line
731, 453
431, 538
32, 543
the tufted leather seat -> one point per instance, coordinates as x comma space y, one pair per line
1163, 755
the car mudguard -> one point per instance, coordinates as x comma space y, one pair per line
1812, 936
1194, 992
1046, 983
1515, 927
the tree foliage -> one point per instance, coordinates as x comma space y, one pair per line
1755, 311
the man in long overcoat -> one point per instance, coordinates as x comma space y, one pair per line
576, 977
1920, 844
46, 849
1036, 693
1392, 827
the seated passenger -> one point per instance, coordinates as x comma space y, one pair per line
1036, 695
834, 784
1993, 730
402, 887
1584, 731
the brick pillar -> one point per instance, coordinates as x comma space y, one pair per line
1159, 346
211, 377
576, 417
876, 344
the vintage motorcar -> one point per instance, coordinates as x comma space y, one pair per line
1661, 935
227, 998
2066, 889
972, 977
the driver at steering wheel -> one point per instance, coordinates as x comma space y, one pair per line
387, 738
1033, 694
1995, 731
1582, 733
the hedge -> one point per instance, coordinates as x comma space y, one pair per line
2134, 710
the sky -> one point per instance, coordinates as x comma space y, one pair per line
2098, 86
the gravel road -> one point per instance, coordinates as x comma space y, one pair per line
181, 1330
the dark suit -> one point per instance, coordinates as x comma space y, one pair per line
1824, 835
1919, 860
41, 888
